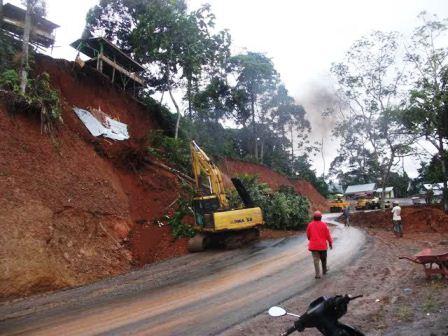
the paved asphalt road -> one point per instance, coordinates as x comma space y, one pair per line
198, 294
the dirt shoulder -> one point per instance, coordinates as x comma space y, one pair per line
398, 300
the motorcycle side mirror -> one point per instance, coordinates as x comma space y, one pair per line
276, 311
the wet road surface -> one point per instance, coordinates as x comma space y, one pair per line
197, 294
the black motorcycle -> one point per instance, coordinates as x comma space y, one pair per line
322, 314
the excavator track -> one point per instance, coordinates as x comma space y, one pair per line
240, 238
197, 243
227, 240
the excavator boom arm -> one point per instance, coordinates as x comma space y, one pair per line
201, 162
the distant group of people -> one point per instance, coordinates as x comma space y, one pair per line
320, 239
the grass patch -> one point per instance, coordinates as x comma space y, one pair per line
405, 313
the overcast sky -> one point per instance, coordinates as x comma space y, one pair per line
303, 37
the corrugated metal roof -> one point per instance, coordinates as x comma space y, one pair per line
434, 186
388, 189
358, 188
92, 47
108, 128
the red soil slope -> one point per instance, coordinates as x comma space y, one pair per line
68, 202
305, 188
275, 180
414, 219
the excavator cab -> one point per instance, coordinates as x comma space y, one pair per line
204, 207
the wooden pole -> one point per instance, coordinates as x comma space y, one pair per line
25, 48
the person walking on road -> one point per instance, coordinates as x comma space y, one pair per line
396, 220
346, 213
318, 235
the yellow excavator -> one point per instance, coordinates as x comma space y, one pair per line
216, 224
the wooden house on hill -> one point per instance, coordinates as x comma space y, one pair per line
42, 32
111, 61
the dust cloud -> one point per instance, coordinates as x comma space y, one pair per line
323, 108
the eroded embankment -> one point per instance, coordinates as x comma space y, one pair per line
69, 203
414, 219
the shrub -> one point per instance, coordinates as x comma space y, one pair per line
9, 80
178, 228
9, 47
39, 97
177, 151
287, 211
283, 209
46, 100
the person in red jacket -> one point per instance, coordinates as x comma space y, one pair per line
318, 235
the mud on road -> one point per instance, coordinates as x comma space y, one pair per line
197, 294
228, 293
398, 300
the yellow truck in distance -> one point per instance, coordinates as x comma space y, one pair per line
339, 203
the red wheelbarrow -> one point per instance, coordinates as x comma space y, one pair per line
429, 258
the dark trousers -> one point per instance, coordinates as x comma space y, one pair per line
319, 257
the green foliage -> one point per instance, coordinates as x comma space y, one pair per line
178, 228
164, 117
259, 191
427, 115
176, 151
9, 80
186, 52
302, 170
287, 211
400, 182
8, 48
372, 136
431, 172
256, 78
283, 209
214, 101
39, 96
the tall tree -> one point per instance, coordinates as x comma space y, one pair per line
114, 20
255, 77
176, 44
428, 112
33, 8
1, 14
214, 101
372, 85
431, 172
25, 47
289, 118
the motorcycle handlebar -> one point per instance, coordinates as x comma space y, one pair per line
289, 331
356, 297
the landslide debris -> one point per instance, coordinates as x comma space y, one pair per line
69, 203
